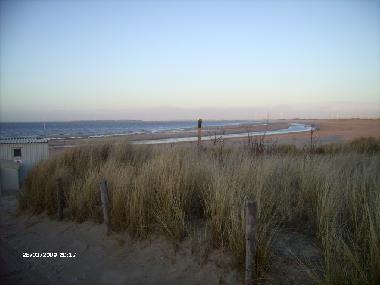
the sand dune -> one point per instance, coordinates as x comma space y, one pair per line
117, 259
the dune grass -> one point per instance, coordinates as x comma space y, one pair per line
332, 193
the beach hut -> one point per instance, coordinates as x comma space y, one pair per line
17, 157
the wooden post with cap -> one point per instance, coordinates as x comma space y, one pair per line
199, 131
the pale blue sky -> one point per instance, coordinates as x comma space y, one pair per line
63, 60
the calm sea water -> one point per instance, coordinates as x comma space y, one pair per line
85, 129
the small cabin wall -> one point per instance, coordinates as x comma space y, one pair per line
9, 175
31, 153
17, 159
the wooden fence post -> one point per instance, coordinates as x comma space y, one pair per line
60, 198
105, 204
199, 131
250, 243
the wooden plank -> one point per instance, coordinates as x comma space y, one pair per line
105, 204
250, 243
60, 198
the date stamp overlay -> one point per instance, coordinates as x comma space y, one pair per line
49, 254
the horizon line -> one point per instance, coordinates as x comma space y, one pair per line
189, 120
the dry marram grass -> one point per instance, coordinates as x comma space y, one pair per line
332, 193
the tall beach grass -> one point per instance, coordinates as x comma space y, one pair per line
332, 193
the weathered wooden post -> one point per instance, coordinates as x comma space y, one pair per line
250, 243
311, 139
60, 198
105, 204
199, 131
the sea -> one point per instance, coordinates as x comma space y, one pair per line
94, 129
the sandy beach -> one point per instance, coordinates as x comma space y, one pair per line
99, 259
119, 259
333, 131
327, 131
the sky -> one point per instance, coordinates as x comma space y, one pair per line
168, 60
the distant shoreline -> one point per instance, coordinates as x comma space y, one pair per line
292, 128
109, 128
327, 131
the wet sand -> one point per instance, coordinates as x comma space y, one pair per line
57, 146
